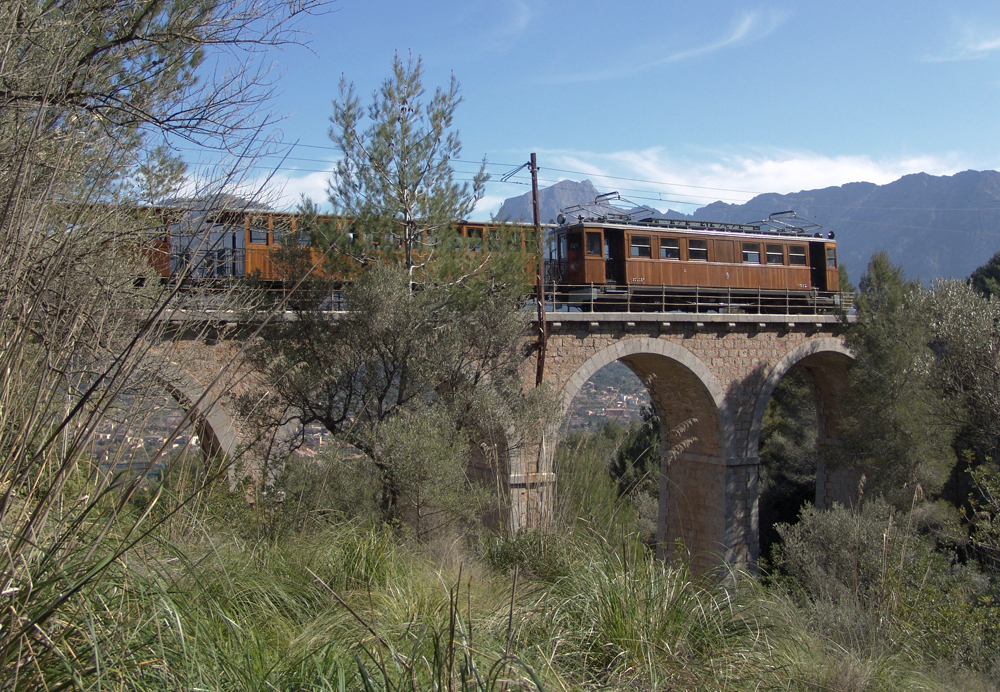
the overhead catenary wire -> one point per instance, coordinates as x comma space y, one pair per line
659, 196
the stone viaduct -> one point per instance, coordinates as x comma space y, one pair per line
718, 369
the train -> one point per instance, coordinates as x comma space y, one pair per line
200, 247
591, 262
783, 263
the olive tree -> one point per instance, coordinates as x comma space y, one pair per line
433, 335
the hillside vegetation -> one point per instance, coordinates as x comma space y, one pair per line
371, 567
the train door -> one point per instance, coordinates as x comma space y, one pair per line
832, 272
574, 257
725, 252
257, 252
594, 260
614, 255
817, 266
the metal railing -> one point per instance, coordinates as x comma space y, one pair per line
694, 299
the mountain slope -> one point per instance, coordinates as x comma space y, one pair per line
551, 201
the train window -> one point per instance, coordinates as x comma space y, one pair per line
641, 246
775, 254
751, 253
698, 250
797, 255
562, 247
831, 257
593, 243
258, 231
574, 240
670, 248
279, 229
475, 239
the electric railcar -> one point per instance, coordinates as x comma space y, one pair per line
682, 264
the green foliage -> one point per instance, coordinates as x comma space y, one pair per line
624, 620
90, 89
986, 520
788, 456
535, 554
423, 366
636, 467
395, 198
587, 496
894, 429
966, 338
410, 379
985, 280
875, 581
845, 279
394, 185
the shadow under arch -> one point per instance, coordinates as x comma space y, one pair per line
825, 361
217, 430
695, 504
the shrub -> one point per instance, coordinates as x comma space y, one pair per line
873, 582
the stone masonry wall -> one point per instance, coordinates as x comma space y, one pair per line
720, 369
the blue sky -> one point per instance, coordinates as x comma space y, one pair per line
683, 103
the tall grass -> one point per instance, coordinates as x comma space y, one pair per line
214, 593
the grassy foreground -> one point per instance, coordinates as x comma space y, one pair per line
224, 596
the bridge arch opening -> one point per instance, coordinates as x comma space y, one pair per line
153, 417
793, 432
695, 507
216, 429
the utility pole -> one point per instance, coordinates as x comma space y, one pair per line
543, 332
540, 292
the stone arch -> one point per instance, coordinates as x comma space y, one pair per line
646, 357
216, 428
825, 361
701, 502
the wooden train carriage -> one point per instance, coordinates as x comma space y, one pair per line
265, 233
696, 254
201, 244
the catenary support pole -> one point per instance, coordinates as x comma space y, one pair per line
542, 327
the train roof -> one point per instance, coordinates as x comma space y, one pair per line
783, 224
611, 209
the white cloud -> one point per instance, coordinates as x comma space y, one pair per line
746, 28
498, 27
657, 178
972, 41
292, 187
487, 206
519, 18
